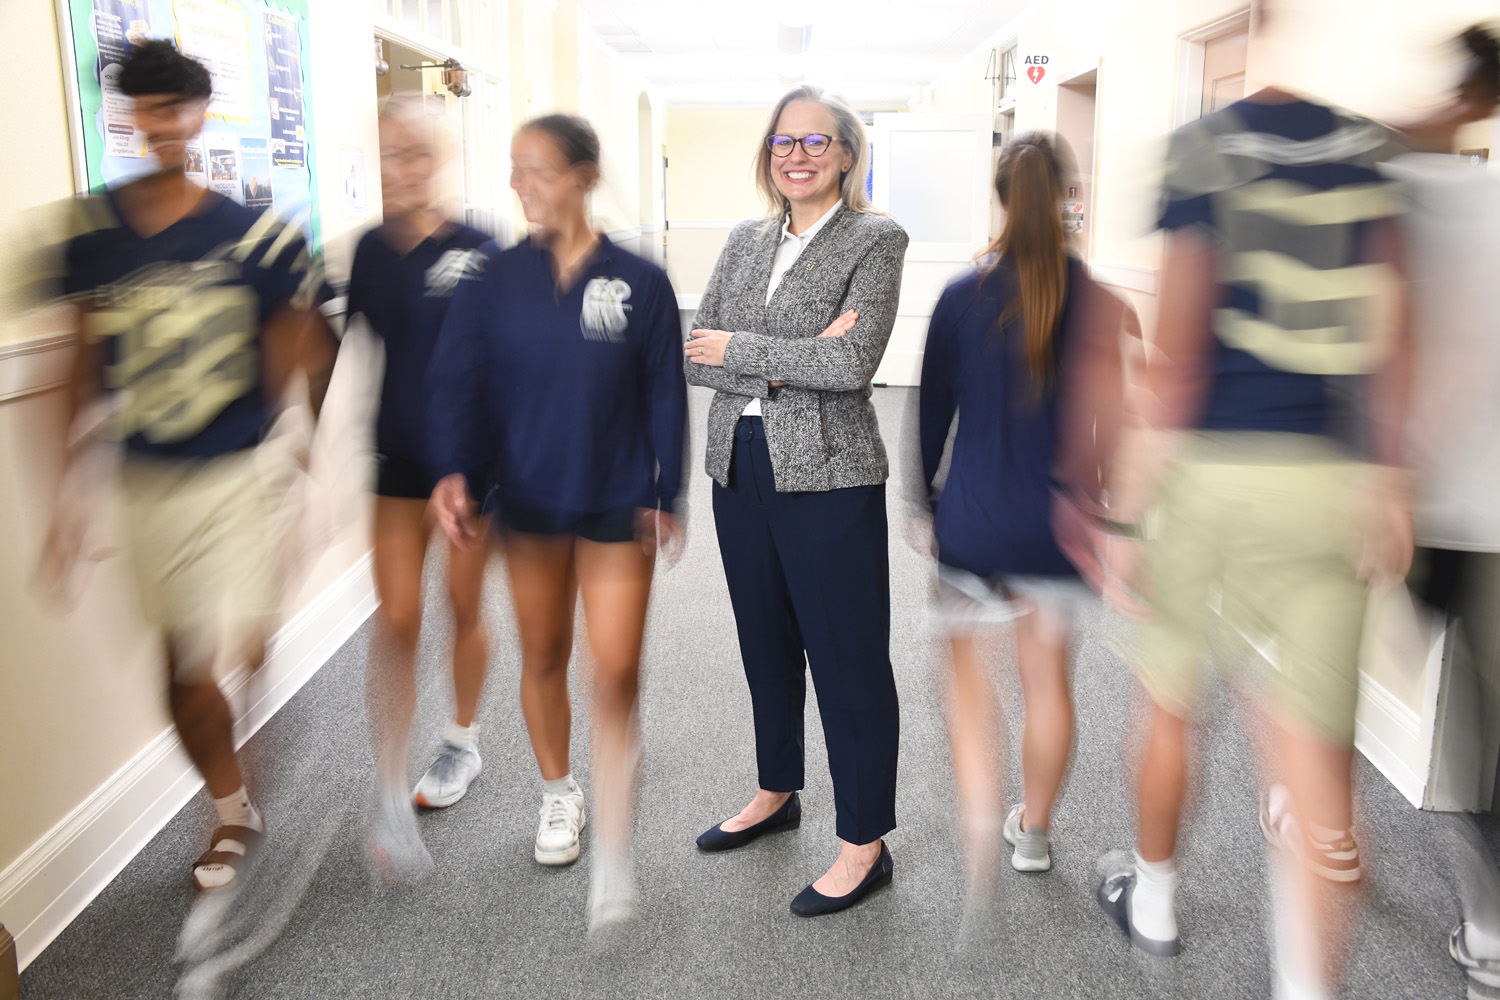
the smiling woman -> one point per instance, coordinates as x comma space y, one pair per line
793, 324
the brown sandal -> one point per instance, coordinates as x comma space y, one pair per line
230, 848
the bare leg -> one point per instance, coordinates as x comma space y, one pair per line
1161, 789
206, 728
544, 590
853, 864
1318, 775
401, 532
470, 649
761, 807
1047, 737
975, 722
615, 580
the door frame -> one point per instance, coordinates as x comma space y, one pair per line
1187, 102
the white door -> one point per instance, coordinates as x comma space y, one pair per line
932, 173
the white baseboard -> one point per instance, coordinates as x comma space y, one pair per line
50, 884
1389, 734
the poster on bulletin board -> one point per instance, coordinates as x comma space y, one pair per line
255, 146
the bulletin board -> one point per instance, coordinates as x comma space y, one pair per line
256, 146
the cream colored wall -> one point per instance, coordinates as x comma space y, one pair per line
609, 95
81, 694
558, 64
709, 186
37, 172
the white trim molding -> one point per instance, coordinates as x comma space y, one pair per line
28, 367
1131, 276
1389, 734
48, 886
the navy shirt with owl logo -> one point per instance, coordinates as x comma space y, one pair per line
179, 315
575, 396
404, 297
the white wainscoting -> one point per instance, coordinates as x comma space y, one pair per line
49, 885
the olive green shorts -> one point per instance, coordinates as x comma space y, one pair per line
1254, 544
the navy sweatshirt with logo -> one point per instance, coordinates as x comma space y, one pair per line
404, 297
574, 397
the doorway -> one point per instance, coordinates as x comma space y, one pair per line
1077, 105
1211, 67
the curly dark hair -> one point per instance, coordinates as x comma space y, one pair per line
1481, 44
157, 67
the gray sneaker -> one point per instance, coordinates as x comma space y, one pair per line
448, 778
1033, 848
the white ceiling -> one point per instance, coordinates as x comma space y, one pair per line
876, 52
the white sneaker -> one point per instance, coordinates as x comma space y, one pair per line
448, 778
557, 836
1033, 848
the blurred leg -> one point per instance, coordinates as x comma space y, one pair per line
401, 532
544, 591
1318, 775
1047, 738
206, 727
615, 582
1161, 788
975, 722
466, 568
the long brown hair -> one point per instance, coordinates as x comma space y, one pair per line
1028, 180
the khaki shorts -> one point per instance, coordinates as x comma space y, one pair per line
204, 553
1255, 541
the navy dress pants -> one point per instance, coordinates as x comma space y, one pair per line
809, 578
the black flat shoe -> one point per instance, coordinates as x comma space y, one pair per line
812, 903
788, 817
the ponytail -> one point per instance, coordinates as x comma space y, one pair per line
1028, 180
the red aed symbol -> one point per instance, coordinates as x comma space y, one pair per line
1036, 73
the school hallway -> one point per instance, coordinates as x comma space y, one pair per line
490, 922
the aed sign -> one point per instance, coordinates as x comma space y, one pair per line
1035, 67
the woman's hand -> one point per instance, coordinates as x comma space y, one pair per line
842, 325
454, 511
660, 530
707, 347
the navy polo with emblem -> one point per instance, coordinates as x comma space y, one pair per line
575, 395
404, 297
179, 315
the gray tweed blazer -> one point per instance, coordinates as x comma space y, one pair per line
820, 427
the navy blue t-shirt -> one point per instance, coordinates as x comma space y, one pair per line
180, 314
1284, 193
405, 297
994, 514
576, 397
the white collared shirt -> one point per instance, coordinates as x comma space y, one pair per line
787, 252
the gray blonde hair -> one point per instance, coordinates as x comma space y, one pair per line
851, 133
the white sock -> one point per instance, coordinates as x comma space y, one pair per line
1151, 911
563, 786
463, 737
235, 810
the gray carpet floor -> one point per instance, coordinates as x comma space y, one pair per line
490, 922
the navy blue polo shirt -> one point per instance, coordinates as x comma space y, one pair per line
404, 297
994, 514
1284, 193
180, 315
575, 395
